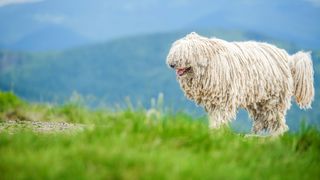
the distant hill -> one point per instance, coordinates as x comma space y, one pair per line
294, 21
131, 66
94, 20
49, 38
128, 67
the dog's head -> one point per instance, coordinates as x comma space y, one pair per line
189, 56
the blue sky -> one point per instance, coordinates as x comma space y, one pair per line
127, 5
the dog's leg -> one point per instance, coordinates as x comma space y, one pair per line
277, 125
254, 112
268, 117
271, 121
219, 117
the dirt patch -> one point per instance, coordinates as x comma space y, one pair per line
39, 126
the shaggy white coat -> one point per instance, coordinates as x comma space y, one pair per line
223, 76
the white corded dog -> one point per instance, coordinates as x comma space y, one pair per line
223, 76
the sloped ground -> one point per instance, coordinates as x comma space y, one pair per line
142, 145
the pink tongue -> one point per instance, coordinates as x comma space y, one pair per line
180, 71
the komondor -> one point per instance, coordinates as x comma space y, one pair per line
223, 76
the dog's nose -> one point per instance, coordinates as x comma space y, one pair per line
172, 65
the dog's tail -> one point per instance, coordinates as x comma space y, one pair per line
302, 73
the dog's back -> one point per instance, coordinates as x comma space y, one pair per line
260, 70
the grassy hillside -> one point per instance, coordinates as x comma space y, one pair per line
134, 144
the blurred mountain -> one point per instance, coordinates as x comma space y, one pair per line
295, 21
291, 21
126, 67
49, 38
94, 20
112, 69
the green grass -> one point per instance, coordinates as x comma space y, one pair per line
128, 144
